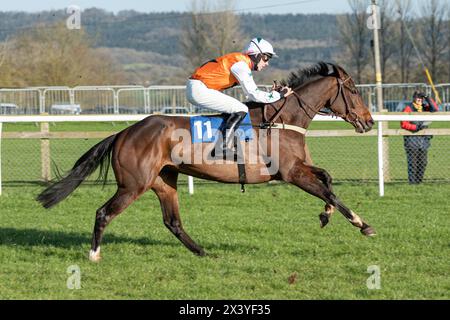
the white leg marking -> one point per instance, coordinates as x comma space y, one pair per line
329, 209
356, 220
95, 255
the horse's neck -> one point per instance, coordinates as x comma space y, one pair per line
310, 99
300, 110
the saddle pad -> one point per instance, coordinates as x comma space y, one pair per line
206, 129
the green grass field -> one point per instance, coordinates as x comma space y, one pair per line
264, 244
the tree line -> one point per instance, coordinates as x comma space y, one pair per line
164, 48
412, 35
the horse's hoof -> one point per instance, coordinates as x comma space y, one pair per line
323, 219
368, 231
201, 253
94, 256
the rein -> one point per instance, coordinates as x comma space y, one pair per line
350, 116
276, 115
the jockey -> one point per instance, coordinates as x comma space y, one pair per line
206, 83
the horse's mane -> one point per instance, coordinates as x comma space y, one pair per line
302, 76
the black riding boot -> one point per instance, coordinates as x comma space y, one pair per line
228, 130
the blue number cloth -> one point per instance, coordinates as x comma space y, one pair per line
206, 129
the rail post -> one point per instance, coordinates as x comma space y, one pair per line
45, 151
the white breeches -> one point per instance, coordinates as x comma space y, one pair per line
200, 95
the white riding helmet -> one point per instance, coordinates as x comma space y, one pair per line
259, 45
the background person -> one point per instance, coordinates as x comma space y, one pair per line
416, 147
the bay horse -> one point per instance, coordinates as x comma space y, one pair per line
142, 154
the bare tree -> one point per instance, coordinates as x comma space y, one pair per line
433, 33
355, 36
213, 30
387, 34
403, 8
3, 51
448, 41
54, 55
5, 68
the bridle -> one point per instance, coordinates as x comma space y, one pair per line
350, 115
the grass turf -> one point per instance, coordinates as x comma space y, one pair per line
264, 244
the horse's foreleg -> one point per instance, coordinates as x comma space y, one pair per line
355, 219
165, 187
317, 182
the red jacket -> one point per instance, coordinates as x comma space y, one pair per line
430, 107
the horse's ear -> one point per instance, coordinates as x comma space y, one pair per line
339, 72
332, 70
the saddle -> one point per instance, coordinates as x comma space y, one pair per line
208, 128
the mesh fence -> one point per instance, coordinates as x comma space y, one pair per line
345, 158
432, 160
22, 161
356, 158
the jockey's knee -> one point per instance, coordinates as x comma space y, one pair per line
240, 108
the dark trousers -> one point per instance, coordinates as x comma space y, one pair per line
416, 148
417, 163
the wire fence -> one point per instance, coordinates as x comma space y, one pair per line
347, 158
34, 155
355, 158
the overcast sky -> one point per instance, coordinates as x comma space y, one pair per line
255, 6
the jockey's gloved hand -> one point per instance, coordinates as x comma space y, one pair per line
276, 86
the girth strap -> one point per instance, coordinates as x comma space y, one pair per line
242, 175
241, 166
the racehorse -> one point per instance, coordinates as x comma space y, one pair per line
142, 155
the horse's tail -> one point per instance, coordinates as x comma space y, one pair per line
98, 155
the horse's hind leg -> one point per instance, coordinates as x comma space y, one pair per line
165, 187
326, 179
317, 182
112, 208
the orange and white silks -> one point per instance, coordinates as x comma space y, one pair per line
216, 74
204, 87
